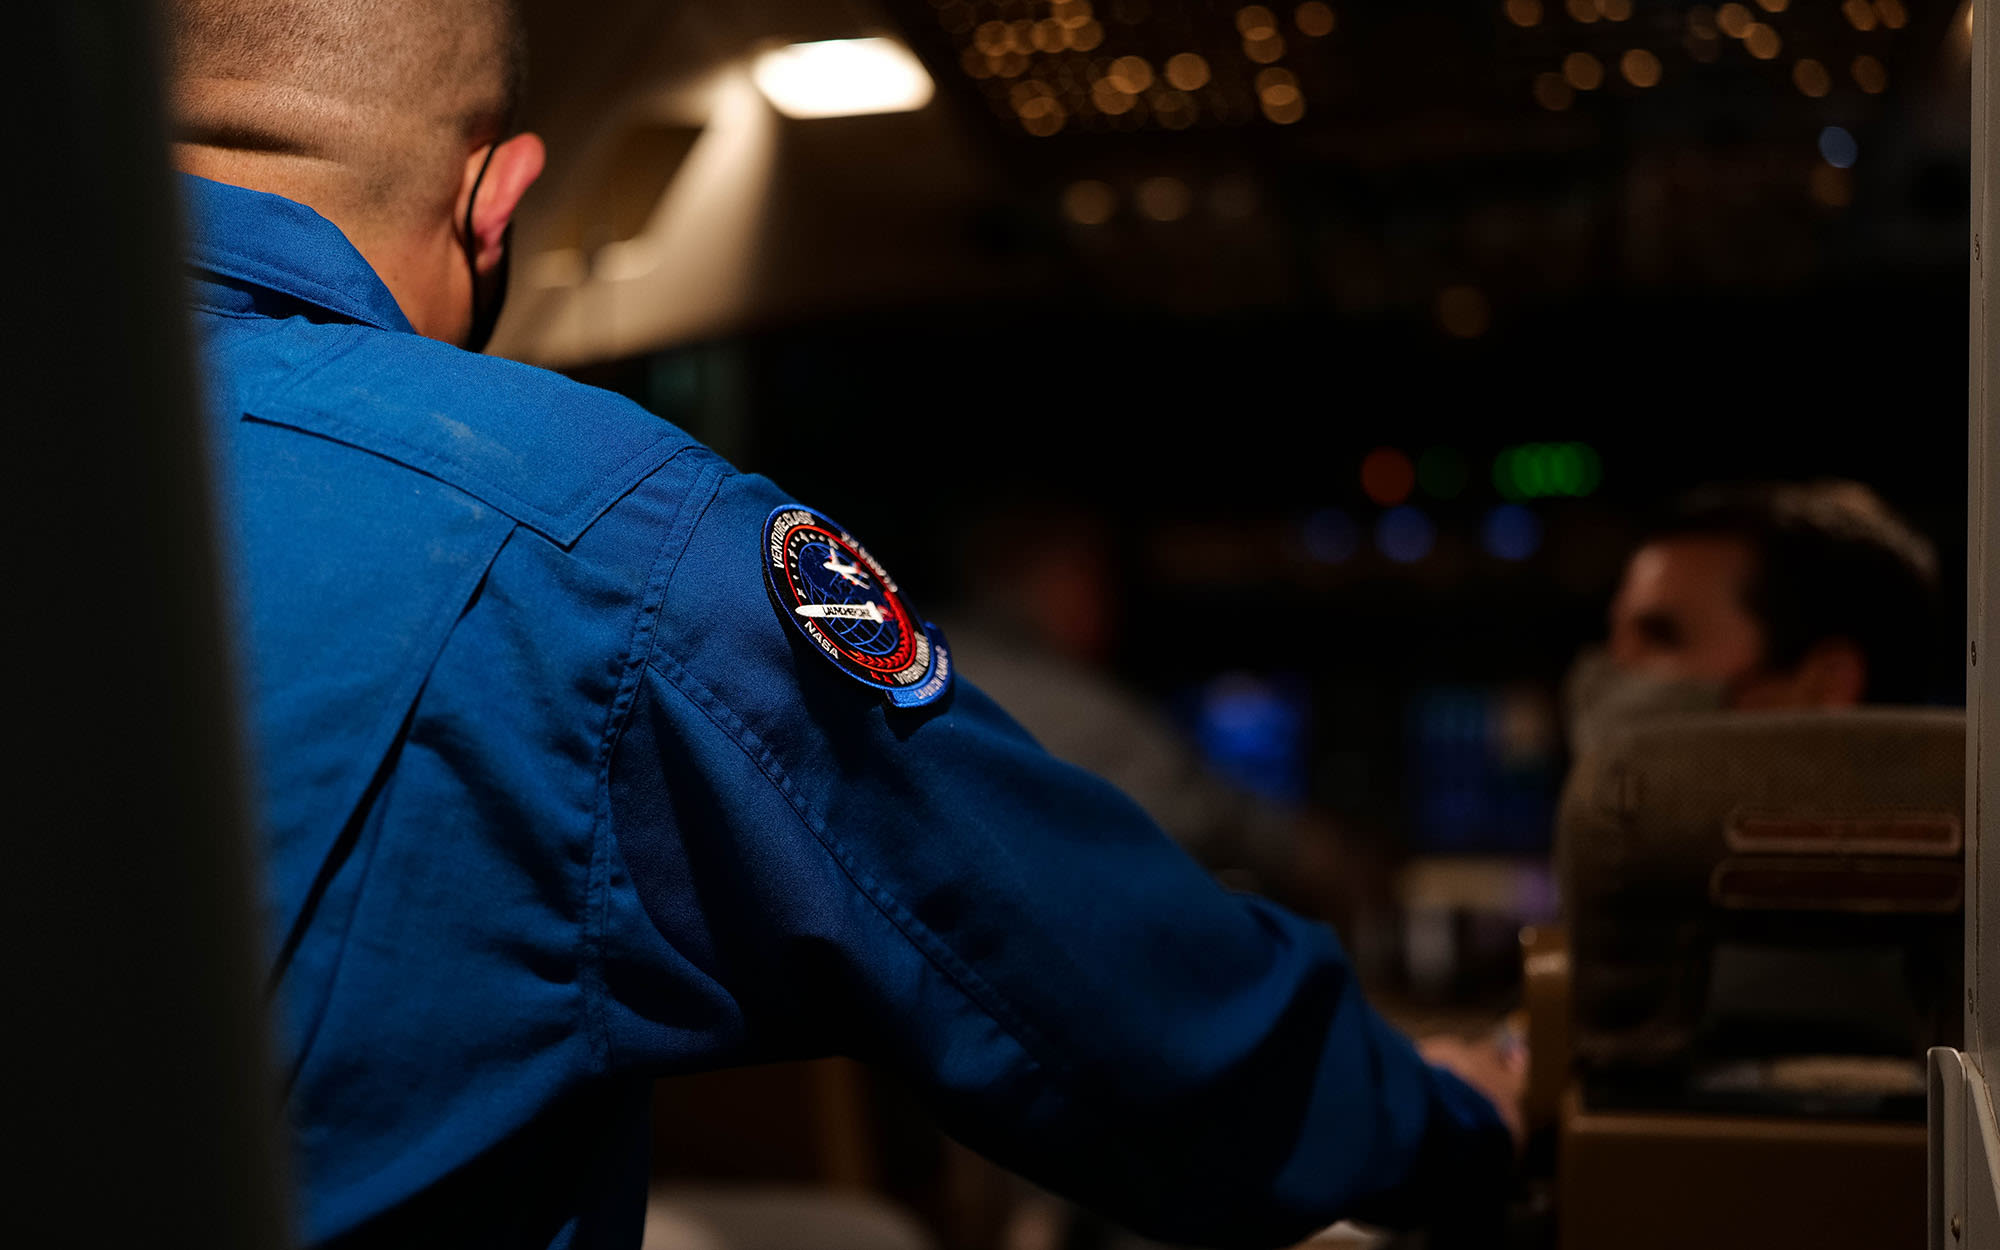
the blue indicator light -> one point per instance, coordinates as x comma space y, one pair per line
1331, 536
1512, 532
1405, 535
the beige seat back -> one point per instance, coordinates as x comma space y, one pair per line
1764, 882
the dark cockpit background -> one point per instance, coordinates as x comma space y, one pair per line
1353, 342
1302, 373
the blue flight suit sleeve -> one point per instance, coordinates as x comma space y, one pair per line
929, 890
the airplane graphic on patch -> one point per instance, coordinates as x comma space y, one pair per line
852, 572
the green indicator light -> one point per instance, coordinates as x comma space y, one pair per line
1539, 471
1531, 470
1442, 472
1565, 469
1592, 466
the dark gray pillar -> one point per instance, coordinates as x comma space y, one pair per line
139, 1107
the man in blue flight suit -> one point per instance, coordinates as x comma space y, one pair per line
584, 758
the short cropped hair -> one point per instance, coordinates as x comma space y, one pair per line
395, 91
1830, 560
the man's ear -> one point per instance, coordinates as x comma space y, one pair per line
1834, 673
515, 165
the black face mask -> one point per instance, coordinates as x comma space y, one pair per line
489, 290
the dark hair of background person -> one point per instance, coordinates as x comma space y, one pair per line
1830, 560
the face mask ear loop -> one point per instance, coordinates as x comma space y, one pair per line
470, 242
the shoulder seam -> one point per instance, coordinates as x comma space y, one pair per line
632, 666
563, 522
559, 527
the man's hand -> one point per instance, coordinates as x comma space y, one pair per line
1496, 1066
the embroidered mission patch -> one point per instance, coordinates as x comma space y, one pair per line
832, 591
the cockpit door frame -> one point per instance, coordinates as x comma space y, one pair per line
1964, 1131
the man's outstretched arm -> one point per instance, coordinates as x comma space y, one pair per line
930, 890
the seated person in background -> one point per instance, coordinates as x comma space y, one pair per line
1764, 597
1758, 597
1036, 632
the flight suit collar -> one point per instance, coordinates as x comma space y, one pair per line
260, 254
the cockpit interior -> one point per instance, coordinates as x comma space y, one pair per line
1501, 480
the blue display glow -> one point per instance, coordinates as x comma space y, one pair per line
1331, 536
1511, 532
1405, 535
1838, 147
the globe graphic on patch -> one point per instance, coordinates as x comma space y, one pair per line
830, 574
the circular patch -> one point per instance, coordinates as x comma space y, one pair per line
832, 591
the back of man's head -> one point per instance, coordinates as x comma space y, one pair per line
371, 103
1829, 560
